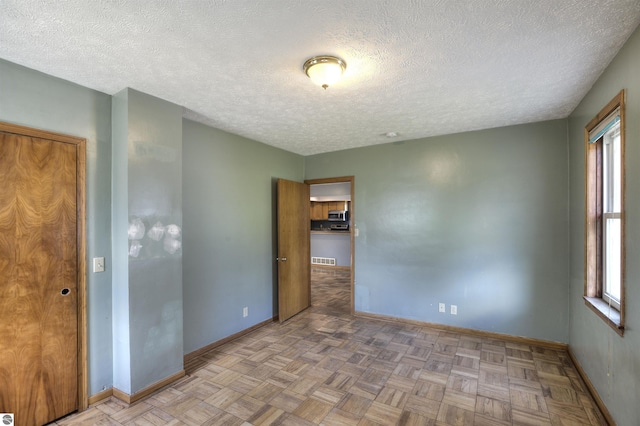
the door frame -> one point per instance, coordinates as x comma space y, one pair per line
80, 143
352, 215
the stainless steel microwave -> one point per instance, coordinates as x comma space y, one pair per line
339, 215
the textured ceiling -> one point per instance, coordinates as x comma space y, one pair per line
416, 67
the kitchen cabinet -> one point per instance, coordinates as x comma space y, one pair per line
320, 209
336, 205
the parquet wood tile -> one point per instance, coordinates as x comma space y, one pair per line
528, 399
494, 385
131, 413
293, 420
313, 410
459, 399
331, 396
413, 419
494, 408
383, 413
268, 415
340, 381
245, 407
91, 416
527, 418
223, 398
451, 414
245, 384
327, 367
155, 417
199, 414
109, 407
392, 397
355, 404
180, 404
480, 419
338, 417
425, 407
405, 384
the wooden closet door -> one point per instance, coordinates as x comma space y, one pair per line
38, 279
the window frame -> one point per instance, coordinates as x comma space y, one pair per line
595, 216
609, 206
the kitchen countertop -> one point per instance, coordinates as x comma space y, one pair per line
329, 231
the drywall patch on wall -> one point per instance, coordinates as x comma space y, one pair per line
160, 240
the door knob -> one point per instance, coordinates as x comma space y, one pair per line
65, 291
281, 259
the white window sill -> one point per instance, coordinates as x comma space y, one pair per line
608, 313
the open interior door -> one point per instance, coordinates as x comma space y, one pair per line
294, 251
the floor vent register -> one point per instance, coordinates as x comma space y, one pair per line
329, 261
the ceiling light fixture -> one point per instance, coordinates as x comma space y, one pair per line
324, 70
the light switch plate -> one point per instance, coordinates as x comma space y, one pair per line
98, 264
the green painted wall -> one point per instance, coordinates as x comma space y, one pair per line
477, 219
611, 362
33, 99
229, 209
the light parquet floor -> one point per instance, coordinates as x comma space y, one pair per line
326, 367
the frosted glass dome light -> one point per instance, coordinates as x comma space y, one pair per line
324, 70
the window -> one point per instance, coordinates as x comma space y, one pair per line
604, 211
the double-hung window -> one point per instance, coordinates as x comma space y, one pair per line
604, 213
611, 216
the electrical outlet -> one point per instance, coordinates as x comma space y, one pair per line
442, 307
245, 312
98, 264
454, 309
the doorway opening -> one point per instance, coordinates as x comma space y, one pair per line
332, 215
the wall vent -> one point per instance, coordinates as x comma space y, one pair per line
331, 261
